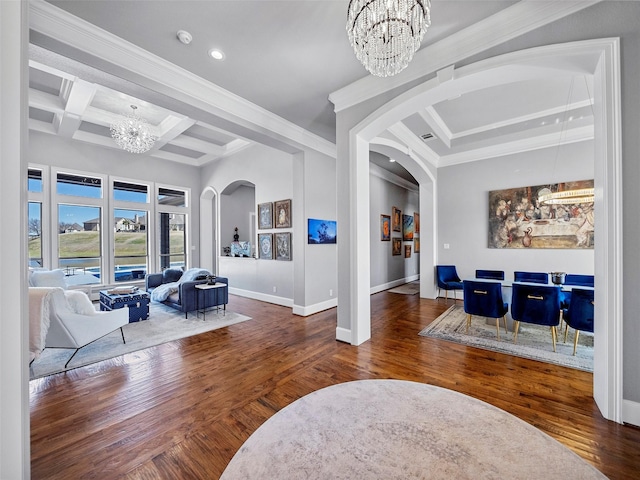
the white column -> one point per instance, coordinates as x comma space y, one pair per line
14, 357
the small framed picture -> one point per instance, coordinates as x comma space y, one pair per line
407, 251
265, 246
407, 228
385, 228
416, 222
282, 213
283, 246
416, 245
396, 219
265, 215
396, 246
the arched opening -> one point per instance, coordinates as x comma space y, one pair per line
567, 59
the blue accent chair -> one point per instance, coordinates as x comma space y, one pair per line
531, 277
579, 315
448, 279
484, 299
575, 280
490, 274
536, 304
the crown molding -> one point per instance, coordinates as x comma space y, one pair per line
512, 22
57, 24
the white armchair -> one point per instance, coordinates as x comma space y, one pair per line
67, 319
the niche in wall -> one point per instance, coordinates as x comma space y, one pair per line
238, 210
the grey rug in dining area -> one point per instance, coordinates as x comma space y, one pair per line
407, 289
164, 324
534, 341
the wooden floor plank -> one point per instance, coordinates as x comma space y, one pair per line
182, 409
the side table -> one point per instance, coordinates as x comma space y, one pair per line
202, 289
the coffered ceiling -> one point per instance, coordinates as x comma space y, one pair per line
283, 59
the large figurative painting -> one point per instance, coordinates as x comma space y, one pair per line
543, 216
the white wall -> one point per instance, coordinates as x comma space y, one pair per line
271, 171
388, 270
463, 214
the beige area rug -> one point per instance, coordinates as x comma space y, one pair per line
164, 324
534, 341
407, 289
393, 429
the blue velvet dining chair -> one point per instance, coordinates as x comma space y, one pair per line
536, 304
448, 279
490, 274
579, 280
484, 299
531, 277
579, 315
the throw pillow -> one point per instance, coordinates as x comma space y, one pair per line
48, 278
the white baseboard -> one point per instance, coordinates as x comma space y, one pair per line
305, 311
631, 412
285, 302
394, 283
343, 335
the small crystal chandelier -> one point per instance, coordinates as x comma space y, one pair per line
132, 133
385, 34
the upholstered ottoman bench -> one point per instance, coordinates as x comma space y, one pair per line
138, 303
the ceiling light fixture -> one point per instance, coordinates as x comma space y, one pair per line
216, 54
132, 133
385, 34
568, 197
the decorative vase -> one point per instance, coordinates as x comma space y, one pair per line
557, 278
526, 241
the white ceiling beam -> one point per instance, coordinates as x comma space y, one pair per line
414, 144
77, 97
436, 124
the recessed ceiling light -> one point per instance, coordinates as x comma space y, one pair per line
392, 160
216, 54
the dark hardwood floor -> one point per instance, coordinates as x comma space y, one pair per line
182, 409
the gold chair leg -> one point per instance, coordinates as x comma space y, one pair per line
504, 319
566, 332
498, 328
516, 326
575, 342
554, 336
468, 321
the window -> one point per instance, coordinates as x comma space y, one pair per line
175, 198
35, 234
130, 244
172, 240
35, 180
79, 242
79, 185
130, 192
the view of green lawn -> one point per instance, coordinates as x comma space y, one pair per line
87, 245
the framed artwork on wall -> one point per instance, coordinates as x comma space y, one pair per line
407, 251
321, 231
396, 219
407, 228
416, 222
396, 246
265, 215
385, 228
283, 246
558, 215
416, 245
282, 213
265, 246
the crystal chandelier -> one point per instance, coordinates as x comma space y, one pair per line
132, 133
385, 34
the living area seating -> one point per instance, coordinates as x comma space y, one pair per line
485, 300
67, 319
448, 279
537, 304
176, 288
